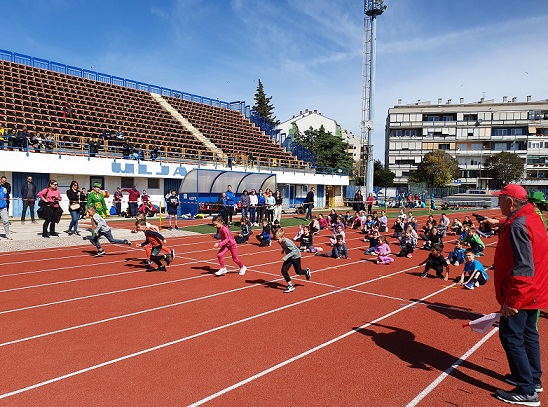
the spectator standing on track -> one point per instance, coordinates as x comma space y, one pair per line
436, 261
357, 205
28, 195
270, 203
73, 195
245, 200
133, 200
4, 182
370, 201
4, 211
83, 203
230, 201
292, 258
227, 243
260, 207
156, 240
309, 203
474, 273
172, 204
102, 229
50, 198
253, 202
521, 287
278, 206
117, 200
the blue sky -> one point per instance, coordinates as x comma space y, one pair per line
306, 53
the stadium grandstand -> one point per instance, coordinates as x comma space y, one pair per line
48, 107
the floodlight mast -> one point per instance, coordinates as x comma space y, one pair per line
372, 9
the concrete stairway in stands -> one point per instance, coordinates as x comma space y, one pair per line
195, 132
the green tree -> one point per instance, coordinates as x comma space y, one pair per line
437, 169
382, 177
330, 150
505, 166
263, 105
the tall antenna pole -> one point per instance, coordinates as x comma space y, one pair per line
372, 9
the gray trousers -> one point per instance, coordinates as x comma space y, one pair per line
5, 221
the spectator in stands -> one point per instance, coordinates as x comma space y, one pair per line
49, 142
154, 153
93, 147
11, 135
36, 142
126, 150
28, 195
20, 139
278, 207
106, 135
67, 110
133, 200
230, 201
120, 135
3, 135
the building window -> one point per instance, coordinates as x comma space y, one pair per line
153, 183
127, 182
444, 146
470, 118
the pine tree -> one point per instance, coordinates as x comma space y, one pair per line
263, 105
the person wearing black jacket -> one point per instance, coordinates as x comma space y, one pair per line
309, 203
73, 195
28, 195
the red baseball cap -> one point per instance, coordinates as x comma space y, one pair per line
514, 191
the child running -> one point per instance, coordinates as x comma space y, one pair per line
474, 273
102, 229
227, 243
156, 240
436, 261
292, 258
141, 217
383, 250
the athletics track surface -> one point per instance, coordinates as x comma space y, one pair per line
84, 331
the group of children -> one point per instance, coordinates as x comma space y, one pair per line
473, 274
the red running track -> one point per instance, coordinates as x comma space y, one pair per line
83, 331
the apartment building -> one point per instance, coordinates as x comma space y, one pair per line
470, 132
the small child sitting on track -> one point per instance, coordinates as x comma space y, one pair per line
474, 273
339, 249
383, 250
243, 236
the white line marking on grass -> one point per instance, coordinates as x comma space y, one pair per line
306, 353
199, 334
450, 370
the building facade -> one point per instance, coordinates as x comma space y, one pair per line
470, 132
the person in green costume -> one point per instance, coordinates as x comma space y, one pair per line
97, 200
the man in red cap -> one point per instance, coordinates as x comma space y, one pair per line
521, 285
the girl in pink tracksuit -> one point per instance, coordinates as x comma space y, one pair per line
383, 250
227, 243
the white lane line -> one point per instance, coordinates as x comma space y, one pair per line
450, 370
171, 343
308, 352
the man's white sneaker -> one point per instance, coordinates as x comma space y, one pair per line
242, 270
221, 272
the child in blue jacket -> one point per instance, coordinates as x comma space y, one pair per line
264, 236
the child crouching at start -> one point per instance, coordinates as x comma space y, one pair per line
156, 240
292, 258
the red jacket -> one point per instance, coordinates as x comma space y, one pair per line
521, 261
